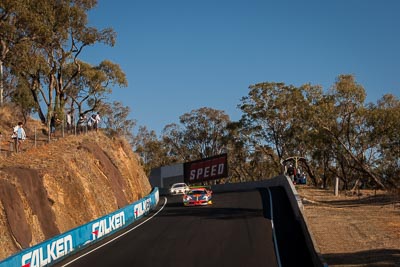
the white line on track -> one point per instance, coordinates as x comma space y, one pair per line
278, 257
115, 238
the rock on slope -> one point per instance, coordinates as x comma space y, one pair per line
50, 189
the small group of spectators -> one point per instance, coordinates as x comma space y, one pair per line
296, 175
92, 122
84, 123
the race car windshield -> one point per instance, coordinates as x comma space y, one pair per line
198, 192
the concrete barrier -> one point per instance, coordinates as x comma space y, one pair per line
295, 202
60, 246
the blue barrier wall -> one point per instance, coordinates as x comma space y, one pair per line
54, 249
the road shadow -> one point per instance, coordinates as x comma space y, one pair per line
377, 257
375, 200
209, 212
216, 211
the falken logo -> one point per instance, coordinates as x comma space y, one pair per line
142, 208
108, 225
49, 253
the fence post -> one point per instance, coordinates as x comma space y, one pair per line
336, 186
62, 128
49, 131
16, 144
34, 133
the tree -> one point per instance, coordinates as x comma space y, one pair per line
151, 150
23, 100
55, 44
247, 161
383, 123
88, 90
345, 123
14, 24
200, 136
115, 119
273, 119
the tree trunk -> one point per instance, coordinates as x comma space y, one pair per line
359, 163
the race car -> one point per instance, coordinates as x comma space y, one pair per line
198, 197
178, 188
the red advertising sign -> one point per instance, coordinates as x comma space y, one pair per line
206, 169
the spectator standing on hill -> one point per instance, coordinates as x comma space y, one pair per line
19, 136
54, 121
69, 121
291, 171
81, 123
90, 122
97, 120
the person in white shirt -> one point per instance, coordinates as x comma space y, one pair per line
69, 122
19, 136
97, 121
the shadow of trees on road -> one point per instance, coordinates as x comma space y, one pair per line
377, 257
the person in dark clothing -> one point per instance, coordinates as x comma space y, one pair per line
54, 121
291, 172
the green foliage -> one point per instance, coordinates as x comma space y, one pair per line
200, 135
23, 99
41, 42
116, 122
336, 132
152, 151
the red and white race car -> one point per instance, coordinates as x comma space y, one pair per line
200, 196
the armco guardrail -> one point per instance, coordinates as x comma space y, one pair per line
54, 249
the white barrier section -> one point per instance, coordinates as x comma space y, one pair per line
52, 250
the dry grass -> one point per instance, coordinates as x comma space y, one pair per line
81, 177
361, 230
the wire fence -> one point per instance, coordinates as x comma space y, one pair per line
39, 137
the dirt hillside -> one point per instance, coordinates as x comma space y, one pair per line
360, 229
51, 188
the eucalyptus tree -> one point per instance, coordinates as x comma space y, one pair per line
200, 135
273, 120
89, 90
115, 119
16, 27
22, 99
172, 137
314, 147
343, 119
151, 150
239, 153
58, 32
383, 123
248, 162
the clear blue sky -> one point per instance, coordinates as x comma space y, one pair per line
181, 55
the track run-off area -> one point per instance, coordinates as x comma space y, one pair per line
241, 228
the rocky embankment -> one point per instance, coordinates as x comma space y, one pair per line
50, 189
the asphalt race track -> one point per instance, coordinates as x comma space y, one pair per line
235, 230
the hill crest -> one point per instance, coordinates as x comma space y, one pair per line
52, 188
